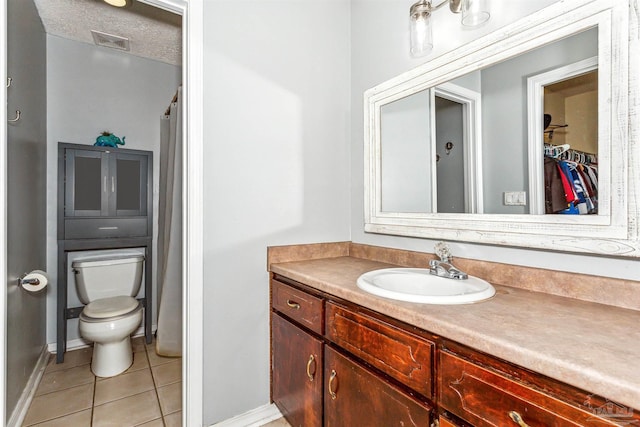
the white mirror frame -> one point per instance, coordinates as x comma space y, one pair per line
614, 231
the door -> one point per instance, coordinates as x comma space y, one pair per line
297, 373
87, 186
128, 184
356, 397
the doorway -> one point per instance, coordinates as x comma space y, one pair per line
192, 30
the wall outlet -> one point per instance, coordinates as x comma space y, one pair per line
515, 198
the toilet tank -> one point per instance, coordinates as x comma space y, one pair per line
107, 276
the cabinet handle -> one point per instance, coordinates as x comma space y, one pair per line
517, 418
105, 184
113, 184
310, 374
293, 304
333, 376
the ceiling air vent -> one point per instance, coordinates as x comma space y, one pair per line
109, 40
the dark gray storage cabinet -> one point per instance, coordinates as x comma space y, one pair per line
104, 202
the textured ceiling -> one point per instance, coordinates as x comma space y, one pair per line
152, 32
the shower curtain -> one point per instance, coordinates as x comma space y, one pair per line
169, 265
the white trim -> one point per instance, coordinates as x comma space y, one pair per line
192, 190
535, 111
20, 411
3, 211
471, 102
254, 418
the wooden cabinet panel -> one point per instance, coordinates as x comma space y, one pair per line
355, 397
486, 398
298, 305
400, 354
296, 373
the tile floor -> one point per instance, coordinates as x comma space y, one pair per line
148, 394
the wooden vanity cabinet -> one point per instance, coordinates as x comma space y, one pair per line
316, 381
335, 363
485, 391
297, 368
356, 397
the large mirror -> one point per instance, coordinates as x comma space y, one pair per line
516, 139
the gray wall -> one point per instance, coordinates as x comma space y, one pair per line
379, 51
26, 151
276, 171
91, 89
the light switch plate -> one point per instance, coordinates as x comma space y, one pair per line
515, 198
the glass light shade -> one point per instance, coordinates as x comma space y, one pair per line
475, 12
420, 29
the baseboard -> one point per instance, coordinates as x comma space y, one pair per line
80, 343
254, 418
20, 411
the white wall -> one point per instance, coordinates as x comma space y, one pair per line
379, 51
91, 89
276, 171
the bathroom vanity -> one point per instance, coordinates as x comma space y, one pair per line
341, 356
104, 202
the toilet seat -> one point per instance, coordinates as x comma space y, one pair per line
108, 308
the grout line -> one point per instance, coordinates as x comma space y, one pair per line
93, 398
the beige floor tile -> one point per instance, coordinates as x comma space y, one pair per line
53, 405
71, 359
167, 373
123, 385
130, 411
173, 420
155, 360
155, 423
170, 397
60, 380
280, 422
138, 344
79, 419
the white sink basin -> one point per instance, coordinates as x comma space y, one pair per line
418, 285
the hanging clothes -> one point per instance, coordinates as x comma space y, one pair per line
571, 181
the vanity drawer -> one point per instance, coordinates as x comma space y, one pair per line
99, 228
298, 305
486, 398
398, 353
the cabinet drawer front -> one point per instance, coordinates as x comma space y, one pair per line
297, 366
298, 305
356, 397
485, 398
399, 354
97, 228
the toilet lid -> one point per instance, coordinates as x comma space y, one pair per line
110, 307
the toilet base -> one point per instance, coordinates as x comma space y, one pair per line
112, 358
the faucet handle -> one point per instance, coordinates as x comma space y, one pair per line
442, 250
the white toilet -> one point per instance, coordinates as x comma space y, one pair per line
107, 284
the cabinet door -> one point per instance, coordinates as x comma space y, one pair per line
86, 183
127, 182
296, 373
356, 397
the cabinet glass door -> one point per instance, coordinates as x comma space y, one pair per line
129, 177
86, 192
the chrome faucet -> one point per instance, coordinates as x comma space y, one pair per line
443, 267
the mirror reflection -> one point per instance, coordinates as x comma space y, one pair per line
439, 154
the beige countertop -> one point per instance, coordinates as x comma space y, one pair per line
591, 346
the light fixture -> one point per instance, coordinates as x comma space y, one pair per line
474, 13
119, 3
